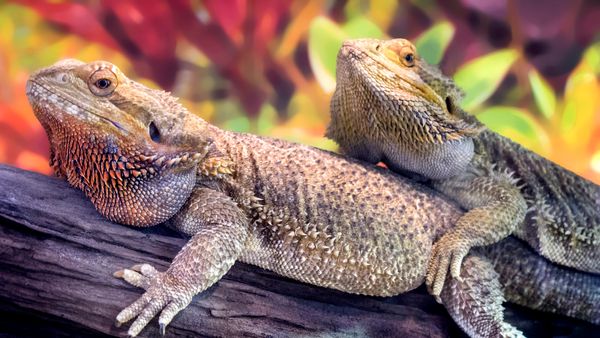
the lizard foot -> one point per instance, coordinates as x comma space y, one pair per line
447, 254
162, 293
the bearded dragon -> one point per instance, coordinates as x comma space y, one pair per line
304, 213
390, 105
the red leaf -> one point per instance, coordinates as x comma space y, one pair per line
230, 15
266, 15
149, 25
74, 17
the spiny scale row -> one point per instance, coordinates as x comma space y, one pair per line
216, 167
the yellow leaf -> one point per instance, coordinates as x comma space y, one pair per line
582, 103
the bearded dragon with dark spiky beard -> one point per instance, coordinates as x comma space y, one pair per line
304, 213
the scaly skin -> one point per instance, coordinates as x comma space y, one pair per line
390, 105
302, 212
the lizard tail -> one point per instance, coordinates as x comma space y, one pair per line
537, 283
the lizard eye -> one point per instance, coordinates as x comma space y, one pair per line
153, 132
102, 82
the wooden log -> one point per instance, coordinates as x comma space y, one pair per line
57, 256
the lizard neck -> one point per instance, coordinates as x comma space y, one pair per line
217, 163
433, 161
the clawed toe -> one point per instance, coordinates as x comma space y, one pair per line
139, 275
145, 269
444, 258
161, 296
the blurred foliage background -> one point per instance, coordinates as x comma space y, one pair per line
530, 68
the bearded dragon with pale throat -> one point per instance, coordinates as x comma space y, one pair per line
390, 105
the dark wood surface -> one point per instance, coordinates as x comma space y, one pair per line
57, 256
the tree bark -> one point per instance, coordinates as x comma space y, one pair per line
57, 256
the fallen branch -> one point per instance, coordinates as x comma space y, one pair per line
57, 256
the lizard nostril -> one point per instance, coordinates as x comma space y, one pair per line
60, 77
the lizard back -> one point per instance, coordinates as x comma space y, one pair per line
344, 225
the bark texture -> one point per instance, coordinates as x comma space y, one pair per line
57, 256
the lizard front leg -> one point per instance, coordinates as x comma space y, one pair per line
475, 301
496, 207
219, 230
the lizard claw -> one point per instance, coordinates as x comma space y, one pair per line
162, 293
140, 275
447, 254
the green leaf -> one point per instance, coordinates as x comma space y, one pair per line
354, 8
480, 77
518, 125
432, 43
231, 116
568, 119
239, 124
592, 57
267, 119
544, 96
325, 38
361, 27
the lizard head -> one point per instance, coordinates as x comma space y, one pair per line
405, 84
388, 97
118, 141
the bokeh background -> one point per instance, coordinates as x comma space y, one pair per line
530, 69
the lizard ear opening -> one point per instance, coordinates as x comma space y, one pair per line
449, 105
455, 123
153, 132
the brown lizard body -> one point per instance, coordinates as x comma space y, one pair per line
391, 106
302, 212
